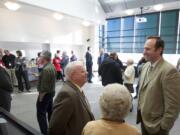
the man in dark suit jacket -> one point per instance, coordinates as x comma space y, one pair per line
110, 71
71, 110
89, 64
5, 89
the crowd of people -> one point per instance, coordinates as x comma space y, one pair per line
158, 91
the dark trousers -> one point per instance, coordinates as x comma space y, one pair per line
39, 70
43, 107
5, 100
129, 87
89, 70
131, 90
24, 75
137, 89
60, 76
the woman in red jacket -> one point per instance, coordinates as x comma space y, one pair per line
57, 65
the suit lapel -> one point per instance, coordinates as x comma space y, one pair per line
143, 76
82, 98
150, 75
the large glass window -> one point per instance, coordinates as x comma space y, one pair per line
145, 29
169, 20
127, 34
179, 39
101, 36
113, 35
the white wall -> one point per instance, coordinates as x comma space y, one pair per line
26, 27
32, 32
29, 50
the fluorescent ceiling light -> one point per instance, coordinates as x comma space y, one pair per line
86, 23
112, 1
12, 5
58, 16
47, 42
158, 7
129, 11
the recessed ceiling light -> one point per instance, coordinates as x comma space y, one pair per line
12, 5
58, 16
96, 10
129, 11
158, 7
86, 23
47, 41
112, 1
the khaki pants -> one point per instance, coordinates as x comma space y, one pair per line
12, 75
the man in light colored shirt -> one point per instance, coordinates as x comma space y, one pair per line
159, 90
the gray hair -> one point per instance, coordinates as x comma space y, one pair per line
46, 55
71, 67
115, 102
130, 61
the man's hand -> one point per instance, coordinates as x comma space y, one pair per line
162, 132
41, 96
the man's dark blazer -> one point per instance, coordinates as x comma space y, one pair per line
89, 61
70, 112
5, 89
110, 71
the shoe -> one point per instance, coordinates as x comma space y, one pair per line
90, 82
131, 108
135, 97
28, 91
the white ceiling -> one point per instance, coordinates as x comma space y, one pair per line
97, 10
89, 10
116, 8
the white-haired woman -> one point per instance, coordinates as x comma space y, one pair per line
115, 103
129, 77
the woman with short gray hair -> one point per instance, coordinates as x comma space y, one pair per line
115, 103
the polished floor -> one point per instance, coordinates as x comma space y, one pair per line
24, 105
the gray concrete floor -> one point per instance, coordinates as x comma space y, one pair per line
24, 105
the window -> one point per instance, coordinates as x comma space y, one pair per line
101, 36
145, 29
179, 39
113, 35
169, 20
127, 35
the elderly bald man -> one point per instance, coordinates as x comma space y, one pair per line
71, 110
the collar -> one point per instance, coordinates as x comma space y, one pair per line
77, 86
46, 65
118, 121
155, 63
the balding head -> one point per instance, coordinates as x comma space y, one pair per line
6, 52
76, 73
